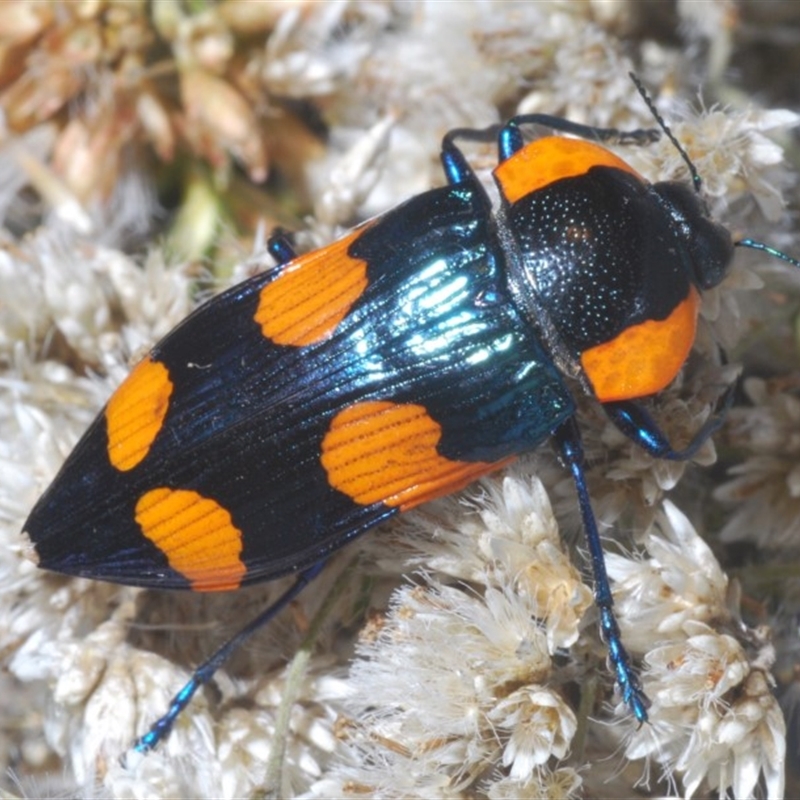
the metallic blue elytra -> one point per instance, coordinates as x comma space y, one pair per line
435, 326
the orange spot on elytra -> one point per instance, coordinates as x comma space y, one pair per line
312, 295
550, 159
196, 535
135, 413
383, 452
644, 358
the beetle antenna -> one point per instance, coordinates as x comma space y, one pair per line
754, 245
697, 181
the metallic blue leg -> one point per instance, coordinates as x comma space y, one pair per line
279, 248
637, 424
162, 727
456, 166
569, 441
510, 139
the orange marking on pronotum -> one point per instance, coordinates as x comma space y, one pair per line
312, 295
644, 358
551, 159
196, 535
383, 452
135, 413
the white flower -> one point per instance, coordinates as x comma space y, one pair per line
714, 716
680, 582
765, 491
432, 692
512, 542
539, 725
560, 784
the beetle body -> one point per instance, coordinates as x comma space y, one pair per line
426, 348
297, 431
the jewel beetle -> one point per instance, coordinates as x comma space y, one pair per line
426, 348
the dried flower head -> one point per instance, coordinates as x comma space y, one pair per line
714, 714
96, 94
765, 489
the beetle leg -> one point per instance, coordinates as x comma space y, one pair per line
569, 441
640, 427
161, 728
456, 166
510, 139
279, 248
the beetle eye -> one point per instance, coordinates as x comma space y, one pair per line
709, 244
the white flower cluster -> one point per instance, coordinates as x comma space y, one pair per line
714, 715
765, 489
458, 686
